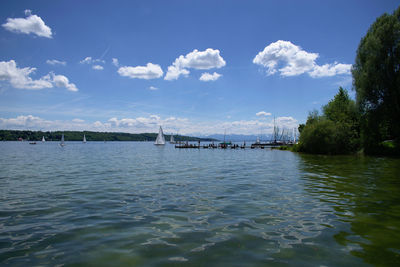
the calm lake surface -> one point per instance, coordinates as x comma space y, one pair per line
131, 203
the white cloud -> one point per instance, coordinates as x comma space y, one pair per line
153, 88
90, 60
263, 114
205, 77
174, 72
31, 24
55, 62
115, 62
20, 78
330, 70
87, 60
202, 60
150, 124
291, 60
24, 122
97, 67
98, 124
150, 71
62, 81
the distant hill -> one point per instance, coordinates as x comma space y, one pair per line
14, 135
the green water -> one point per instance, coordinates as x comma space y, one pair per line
136, 204
365, 195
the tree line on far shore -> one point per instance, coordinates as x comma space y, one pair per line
371, 123
14, 135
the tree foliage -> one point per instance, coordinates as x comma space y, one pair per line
335, 131
376, 79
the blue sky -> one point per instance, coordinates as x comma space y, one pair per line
194, 67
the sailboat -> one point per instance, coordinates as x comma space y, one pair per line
84, 139
43, 140
62, 140
160, 138
172, 141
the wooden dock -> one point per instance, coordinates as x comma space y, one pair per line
233, 146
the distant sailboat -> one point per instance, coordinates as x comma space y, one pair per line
172, 141
160, 138
62, 140
84, 139
43, 140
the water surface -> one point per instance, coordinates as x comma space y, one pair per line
132, 203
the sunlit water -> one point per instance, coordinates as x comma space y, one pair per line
127, 203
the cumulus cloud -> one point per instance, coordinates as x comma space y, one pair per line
55, 62
152, 88
61, 81
78, 120
205, 77
150, 71
97, 67
115, 62
174, 72
291, 60
263, 114
20, 78
31, 24
202, 60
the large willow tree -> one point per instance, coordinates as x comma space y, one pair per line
376, 79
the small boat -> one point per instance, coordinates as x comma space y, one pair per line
160, 140
32, 143
62, 143
84, 139
43, 140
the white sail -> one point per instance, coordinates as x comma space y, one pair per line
172, 141
43, 140
84, 138
160, 138
62, 140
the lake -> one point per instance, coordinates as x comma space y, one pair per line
133, 203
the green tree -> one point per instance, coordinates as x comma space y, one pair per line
318, 136
376, 79
336, 131
343, 112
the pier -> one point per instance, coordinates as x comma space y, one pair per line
229, 145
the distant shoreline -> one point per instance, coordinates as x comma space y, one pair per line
27, 135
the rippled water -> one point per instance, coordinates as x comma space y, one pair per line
127, 203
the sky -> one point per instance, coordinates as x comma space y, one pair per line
193, 67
